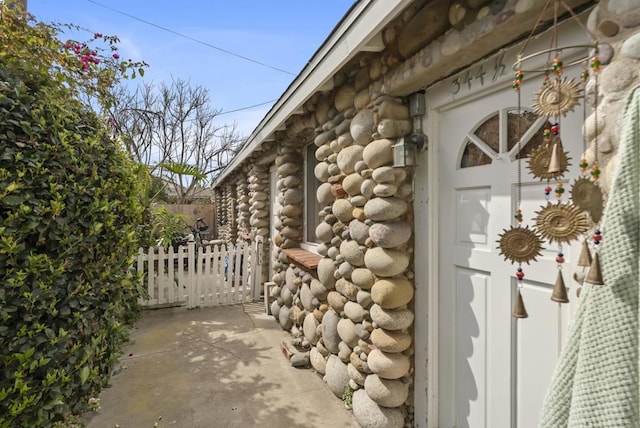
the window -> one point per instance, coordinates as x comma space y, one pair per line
311, 205
498, 134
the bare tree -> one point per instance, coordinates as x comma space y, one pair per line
170, 128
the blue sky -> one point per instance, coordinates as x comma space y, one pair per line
283, 34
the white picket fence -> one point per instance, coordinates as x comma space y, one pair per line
213, 275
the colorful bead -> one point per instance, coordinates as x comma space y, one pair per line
560, 258
555, 129
519, 274
595, 172
559, 190
546, 134
597, 237
547, 80
595, 64
557, 66
584, 165
517, 81
547, 190
518, 216
584, 76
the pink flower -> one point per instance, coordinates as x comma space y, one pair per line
116, 56
112, 122
97, 35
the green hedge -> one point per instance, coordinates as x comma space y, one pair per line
69, 208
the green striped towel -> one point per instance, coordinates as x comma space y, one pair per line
595, 383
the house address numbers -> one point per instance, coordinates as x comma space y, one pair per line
479, 76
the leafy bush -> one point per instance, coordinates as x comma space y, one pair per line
69, 207
168, 227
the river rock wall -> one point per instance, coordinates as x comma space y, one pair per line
352, 317
224, 200
616, 24
354, 312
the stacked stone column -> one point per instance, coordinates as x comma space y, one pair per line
355, 315
229, 227
259, 208
243, 213
290, 195
259, 200
289, 164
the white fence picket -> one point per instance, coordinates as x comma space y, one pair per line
153, 298
224, 274
171, 283
244, 268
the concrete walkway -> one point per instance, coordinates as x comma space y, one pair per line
214, 367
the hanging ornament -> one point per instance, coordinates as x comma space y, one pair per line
540, 159
587, 196
584, 261
554, 162
519, 311
520, 244
585, 258
556, 98
595, 275
561, 222
559, 293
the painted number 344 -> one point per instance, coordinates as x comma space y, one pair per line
479, 75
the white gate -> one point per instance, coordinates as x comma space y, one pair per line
210, 275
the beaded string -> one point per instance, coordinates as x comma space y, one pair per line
517, 82
554, 131
594, 172
595, 168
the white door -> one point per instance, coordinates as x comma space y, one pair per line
494, 369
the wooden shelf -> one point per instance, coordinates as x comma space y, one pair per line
304, 258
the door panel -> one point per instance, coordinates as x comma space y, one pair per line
536, 349
494, 370
471, 346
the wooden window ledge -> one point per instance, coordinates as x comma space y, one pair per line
304, 258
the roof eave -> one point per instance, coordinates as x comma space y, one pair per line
348, 38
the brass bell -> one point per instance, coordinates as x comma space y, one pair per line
585, 255
595, 276
554, 162
559, 293
519, 311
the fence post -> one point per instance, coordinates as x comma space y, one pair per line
256, 267
140, 267
191, 277
151, 257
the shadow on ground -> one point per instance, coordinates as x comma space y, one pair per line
214, 367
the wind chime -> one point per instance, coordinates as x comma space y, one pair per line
557, 221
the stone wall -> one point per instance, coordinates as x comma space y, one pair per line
353, 314
243, 213
616, 24
290, 194
352, 318
225, 203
